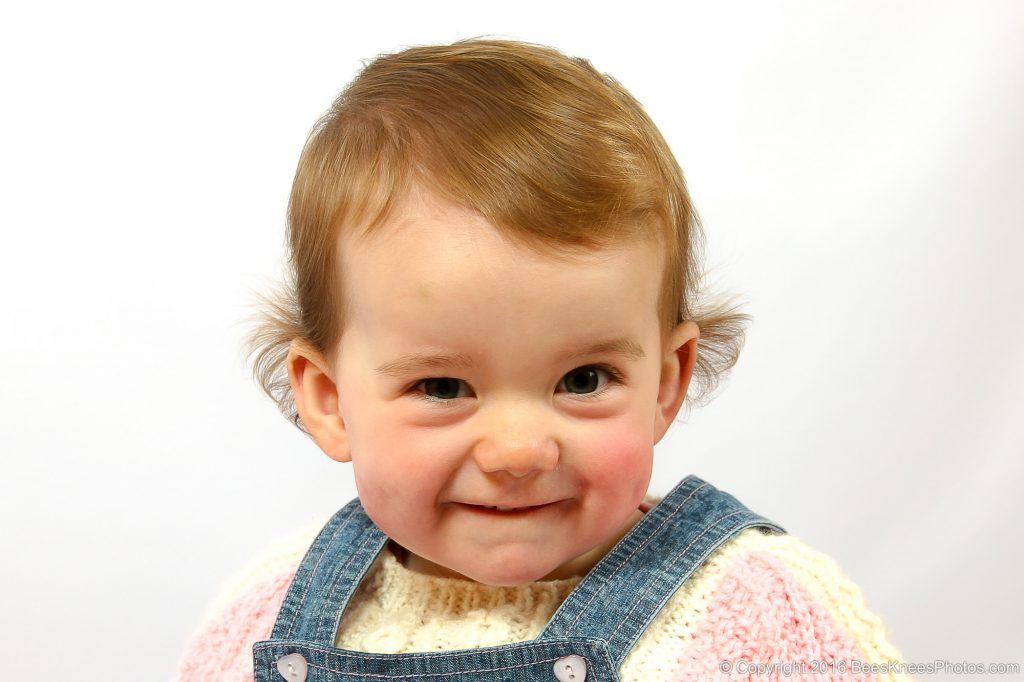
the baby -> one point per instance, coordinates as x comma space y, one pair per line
494, 315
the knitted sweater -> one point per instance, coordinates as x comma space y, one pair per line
758, 597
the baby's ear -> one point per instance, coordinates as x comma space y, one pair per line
677, 364
316, 399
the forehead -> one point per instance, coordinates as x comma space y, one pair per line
436, 269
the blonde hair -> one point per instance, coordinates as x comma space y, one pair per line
556, 155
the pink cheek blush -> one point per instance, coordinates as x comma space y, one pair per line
619, 457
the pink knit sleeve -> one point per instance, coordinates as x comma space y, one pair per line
791, 610
221, 647
243, 612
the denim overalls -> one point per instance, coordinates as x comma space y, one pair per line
587, 638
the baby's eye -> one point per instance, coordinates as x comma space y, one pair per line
582, 382
447, 387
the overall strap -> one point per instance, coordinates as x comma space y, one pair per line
328, 576
625, 591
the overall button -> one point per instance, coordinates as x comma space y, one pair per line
571, 669
292, 667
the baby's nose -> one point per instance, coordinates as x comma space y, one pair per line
518, 456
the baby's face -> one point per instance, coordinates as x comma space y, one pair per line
473, 372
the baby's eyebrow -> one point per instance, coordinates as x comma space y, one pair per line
627, 348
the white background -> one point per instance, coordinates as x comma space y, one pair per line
858, 167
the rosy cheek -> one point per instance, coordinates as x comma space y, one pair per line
394, 463
379, 449
620, 457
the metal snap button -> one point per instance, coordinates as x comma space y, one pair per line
571, 668
292, 667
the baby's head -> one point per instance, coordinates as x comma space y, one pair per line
492, 302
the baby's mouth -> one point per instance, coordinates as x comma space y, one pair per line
506, 511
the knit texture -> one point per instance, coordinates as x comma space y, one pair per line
759, 597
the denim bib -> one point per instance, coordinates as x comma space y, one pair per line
586, 640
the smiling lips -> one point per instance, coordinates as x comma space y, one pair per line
495, 509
